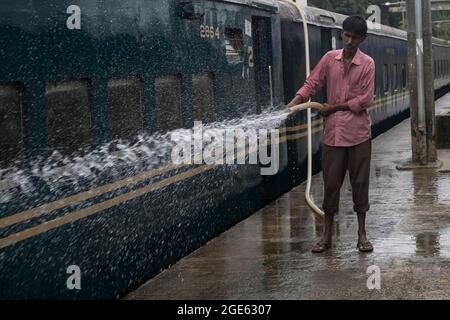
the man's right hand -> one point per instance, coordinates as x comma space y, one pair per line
296, 101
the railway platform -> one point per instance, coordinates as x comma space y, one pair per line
268, 255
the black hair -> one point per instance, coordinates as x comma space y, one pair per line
356, 25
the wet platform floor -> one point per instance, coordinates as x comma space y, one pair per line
268, 256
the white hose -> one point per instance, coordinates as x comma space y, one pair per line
308, 198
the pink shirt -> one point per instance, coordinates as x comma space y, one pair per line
356, 88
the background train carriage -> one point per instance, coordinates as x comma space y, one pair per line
169, 63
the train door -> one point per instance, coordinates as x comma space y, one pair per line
326, 41
262, 59
262, 49
326, 45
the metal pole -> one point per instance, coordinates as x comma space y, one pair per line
418, 141
420, 74
429, 82
271, 86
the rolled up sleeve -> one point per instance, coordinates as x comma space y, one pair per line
316, 79
365, 99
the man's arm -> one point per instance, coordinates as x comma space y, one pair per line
298, 99
360, 102
364, 100
314, 83
332, 108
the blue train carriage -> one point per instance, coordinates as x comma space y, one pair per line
67, 71
441, 65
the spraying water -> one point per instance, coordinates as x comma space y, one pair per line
116, 159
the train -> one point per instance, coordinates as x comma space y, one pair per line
82, 78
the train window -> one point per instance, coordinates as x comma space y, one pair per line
68, 115
126, 114
234, 45
11, 126
385, 78
326, 19
168, 102
203, 94
404, 76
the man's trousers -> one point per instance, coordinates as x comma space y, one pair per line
335, 162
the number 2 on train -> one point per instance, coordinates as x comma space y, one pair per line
250, 57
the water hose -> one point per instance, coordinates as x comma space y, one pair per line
308, 107
305, 106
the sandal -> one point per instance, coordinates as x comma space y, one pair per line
365, 246
320, 247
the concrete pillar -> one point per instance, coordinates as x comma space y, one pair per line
418, 139
430, 118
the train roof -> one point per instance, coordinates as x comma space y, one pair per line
271, 5
324, 18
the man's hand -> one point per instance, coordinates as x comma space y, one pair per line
327, 109
296, 101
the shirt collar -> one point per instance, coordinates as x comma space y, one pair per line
356, 59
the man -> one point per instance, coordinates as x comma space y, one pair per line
350, 78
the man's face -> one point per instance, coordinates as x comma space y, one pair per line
351, 41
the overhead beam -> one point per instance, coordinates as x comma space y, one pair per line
439, 23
